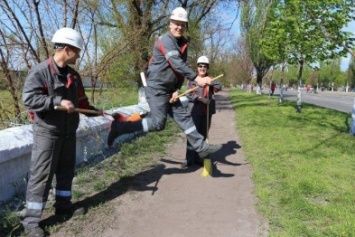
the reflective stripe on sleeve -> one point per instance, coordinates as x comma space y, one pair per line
171, 53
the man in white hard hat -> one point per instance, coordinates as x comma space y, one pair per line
53, 83
166, 72
202, 106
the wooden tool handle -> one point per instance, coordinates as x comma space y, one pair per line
87, 111
195, 88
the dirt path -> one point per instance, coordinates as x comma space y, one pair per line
178, 202
167, 201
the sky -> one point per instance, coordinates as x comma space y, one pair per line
345, 61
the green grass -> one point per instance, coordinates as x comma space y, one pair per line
96, 183
303, 165
134, 157
114, 97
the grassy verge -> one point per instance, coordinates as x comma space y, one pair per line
303, 168
91, 181
303, 165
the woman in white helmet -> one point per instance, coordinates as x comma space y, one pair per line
53, 83
202, 106
166, 73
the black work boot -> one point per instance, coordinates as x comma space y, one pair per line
212, 148
35, 232
185, 164
119, 128
114, 133
198, 161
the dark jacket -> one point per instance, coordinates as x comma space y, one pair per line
167, 67
44, 88
196, 106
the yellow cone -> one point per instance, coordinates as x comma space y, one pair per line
207, 167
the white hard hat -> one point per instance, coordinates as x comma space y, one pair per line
179, 14
203, 59
68, 36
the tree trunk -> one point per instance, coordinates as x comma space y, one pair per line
281, 99
299, 100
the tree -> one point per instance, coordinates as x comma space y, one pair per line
254, 20
330, 17
304, 28
240, 66
118, 36
276, 41
138, 23
329, 74
351, 73
26, 28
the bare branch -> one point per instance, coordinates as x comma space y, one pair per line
40, 27
23, 32
75, 13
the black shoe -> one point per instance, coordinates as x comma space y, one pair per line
35, 232
70, 211
199, 162
114, 133
212, 148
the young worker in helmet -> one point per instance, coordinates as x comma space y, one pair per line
202, 105
166, 72
53, 83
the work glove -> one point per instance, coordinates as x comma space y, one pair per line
204, 100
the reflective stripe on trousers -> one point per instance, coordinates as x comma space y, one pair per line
50, 155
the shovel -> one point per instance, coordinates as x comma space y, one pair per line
207, 164
123, 118
86, 111
196, 87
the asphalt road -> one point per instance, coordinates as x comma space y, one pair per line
340, 101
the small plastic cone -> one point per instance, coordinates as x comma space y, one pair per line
207, 167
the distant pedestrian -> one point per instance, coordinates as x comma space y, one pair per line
308, 88
202, 106
272, 87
